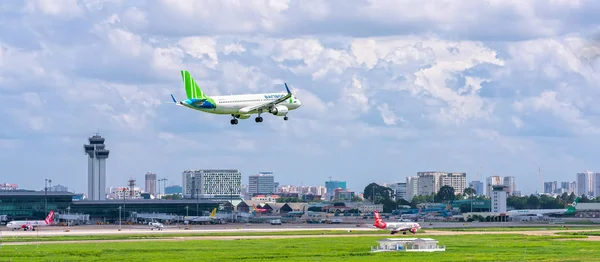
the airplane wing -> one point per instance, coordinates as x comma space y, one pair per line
268, 105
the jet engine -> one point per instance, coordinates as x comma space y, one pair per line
279, 110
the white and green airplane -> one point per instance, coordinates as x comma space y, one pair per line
238, 106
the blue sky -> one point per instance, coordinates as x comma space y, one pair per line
389, 88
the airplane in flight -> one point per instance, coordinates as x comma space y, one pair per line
396, 227
31, 225
544, 212
238, 106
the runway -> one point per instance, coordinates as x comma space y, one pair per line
220, 228
199, 229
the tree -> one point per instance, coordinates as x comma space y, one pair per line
470, 191
379, 192
356, 199
446, 193
389, 205
402, 202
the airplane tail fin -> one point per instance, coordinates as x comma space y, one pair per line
572, 207
377, 216
50, 217
212, 214
192, 90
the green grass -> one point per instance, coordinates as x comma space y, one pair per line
584, 233
516, 228
171, 235
504, 247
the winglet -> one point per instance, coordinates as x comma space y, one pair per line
172, 97
286, 88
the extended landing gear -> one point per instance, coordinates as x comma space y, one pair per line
258, 119
285, 118
233, 121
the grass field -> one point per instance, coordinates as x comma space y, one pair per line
503, 247
585, 233
170, 235
517, 228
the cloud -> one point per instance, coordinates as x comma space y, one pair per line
380, 83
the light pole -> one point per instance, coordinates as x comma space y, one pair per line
196, 201
68, 213
46, 195
119, 218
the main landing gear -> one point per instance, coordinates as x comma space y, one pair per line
258, 119
233, 121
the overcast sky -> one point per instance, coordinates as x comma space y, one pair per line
389, 88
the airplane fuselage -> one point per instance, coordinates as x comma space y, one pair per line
232, 104
26, 224
528, 212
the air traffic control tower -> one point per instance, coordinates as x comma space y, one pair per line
96, 167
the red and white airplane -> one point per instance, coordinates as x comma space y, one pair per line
396, 227
31, 224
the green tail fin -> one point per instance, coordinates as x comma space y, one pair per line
573, 207
192, 90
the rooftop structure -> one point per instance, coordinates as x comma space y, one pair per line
408, 245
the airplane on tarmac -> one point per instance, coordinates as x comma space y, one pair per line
259, 210
202, 218
31, 225
238, 106
396, 227
544, 212
156, 225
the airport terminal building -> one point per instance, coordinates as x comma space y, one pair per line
28, 205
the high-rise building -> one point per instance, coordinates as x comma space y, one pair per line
499, 196
431, 182
150, 186
492, 181
550, 187
398, 190
412, 187
596, 184
585, 185
97, 155
262, 183
208, 183
511, 185
568, 187
331, 186
478, 186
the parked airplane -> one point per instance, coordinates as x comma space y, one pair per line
31, 225
259, 210
202, 218
156, 225
396, 227
544, 212
238, 106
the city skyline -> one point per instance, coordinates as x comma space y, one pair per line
387, 90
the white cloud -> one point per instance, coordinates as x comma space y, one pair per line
56, 8
373, 77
